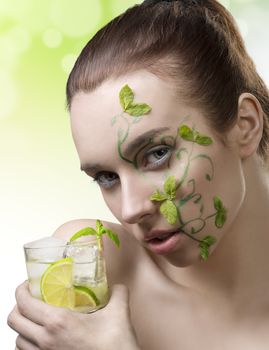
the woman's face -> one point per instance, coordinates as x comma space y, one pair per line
163, 174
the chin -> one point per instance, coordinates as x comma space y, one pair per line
184, 258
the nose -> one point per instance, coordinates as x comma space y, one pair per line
136, 205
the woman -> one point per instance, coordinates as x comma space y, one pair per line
170, 118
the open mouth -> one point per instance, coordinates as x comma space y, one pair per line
163, 238
165, 243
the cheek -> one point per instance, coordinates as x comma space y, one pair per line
113, 203
216, 175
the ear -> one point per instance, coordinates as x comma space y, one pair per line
249, 124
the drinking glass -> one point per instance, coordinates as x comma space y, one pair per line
71, 275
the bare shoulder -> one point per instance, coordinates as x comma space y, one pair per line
120, 261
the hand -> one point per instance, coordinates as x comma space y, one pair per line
45, 327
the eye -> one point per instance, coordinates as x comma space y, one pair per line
157, 156
106, 179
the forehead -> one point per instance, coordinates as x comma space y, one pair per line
92, 113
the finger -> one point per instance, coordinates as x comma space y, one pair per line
24, 327
24, 344
32, 308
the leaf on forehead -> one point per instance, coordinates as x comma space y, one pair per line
186, 133
138, 109
169, 211
203, 140
126, 97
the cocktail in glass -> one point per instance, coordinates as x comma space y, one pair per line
68, 274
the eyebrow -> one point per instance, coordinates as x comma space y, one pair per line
132, 146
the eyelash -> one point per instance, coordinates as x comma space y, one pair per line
148, 166
160, 161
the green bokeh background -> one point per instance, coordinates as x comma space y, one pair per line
41, 184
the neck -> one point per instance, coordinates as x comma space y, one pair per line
238, 269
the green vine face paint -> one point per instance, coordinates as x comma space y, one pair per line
159, 173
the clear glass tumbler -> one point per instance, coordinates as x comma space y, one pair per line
71, 275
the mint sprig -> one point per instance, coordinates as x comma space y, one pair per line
129, 106
98, 232
168, 208
189, 134
204, 245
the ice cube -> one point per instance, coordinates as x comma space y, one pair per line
46, 249
82, 252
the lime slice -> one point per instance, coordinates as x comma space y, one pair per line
84, 296
56, 284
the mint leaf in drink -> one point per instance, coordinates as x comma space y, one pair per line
169, 211
221, 214
113, 236
170, 187
83, 232
126, 97
158, 196
100, 230
138, 109
186, 133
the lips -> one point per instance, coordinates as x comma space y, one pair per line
162, 242
159, 234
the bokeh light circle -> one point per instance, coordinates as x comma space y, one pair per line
75, 18
52, 38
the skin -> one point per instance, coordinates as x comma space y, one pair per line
186, 303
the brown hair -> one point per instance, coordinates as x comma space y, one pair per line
195, 43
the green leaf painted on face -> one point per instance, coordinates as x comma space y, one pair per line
221, 215
169, 211
126, 97
217, 203
204, 245
203, 140
220, 219
158, 196
204, 253
189, 134
138, 109
170, 187
127, 102
136, 120
209, 240
186, 133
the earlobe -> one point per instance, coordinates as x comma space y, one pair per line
250, 124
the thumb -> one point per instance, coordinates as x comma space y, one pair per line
119, 297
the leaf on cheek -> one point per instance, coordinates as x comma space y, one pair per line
169, 211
